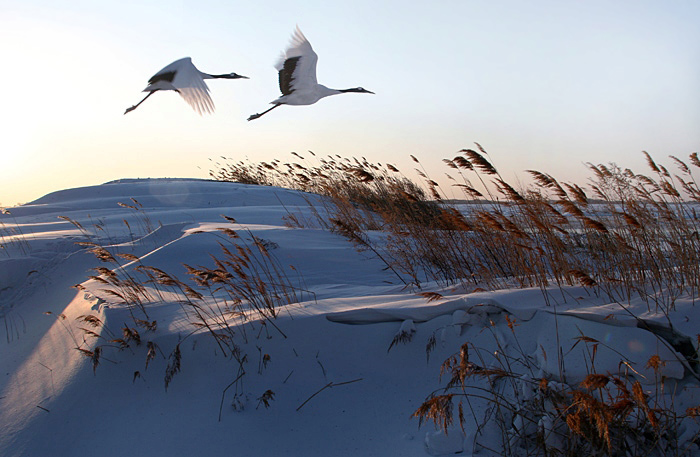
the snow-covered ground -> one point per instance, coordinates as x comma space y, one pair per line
321, 379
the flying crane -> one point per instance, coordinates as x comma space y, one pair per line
185, 79
297, 76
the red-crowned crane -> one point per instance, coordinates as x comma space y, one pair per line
185, 79
297, 76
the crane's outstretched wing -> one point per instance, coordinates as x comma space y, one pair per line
297, 65
190, 85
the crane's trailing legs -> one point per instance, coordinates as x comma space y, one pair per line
255, 116
137, 105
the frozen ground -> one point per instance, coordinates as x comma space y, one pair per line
333, 386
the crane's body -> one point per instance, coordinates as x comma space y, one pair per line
306, 97
184, 78
297, 76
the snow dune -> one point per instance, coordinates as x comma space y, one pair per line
337, 389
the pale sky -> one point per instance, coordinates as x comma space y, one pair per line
541, 84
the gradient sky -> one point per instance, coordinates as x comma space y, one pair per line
545, 85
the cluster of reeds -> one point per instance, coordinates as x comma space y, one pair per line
143, 221
604, 414
242, 291
627, 235
360, 197
369, 188
12, 237
118, 282
634, 236
246, 281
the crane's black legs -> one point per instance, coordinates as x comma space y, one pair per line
137, 105
255, 116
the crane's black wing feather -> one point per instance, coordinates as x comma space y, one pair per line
168, 76
286, 75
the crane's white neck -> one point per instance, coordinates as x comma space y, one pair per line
324, 91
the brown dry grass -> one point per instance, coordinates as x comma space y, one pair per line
245, 286
623, 235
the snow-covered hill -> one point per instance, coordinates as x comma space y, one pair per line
326, 376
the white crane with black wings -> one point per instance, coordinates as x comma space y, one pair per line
297, 76
185, 79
